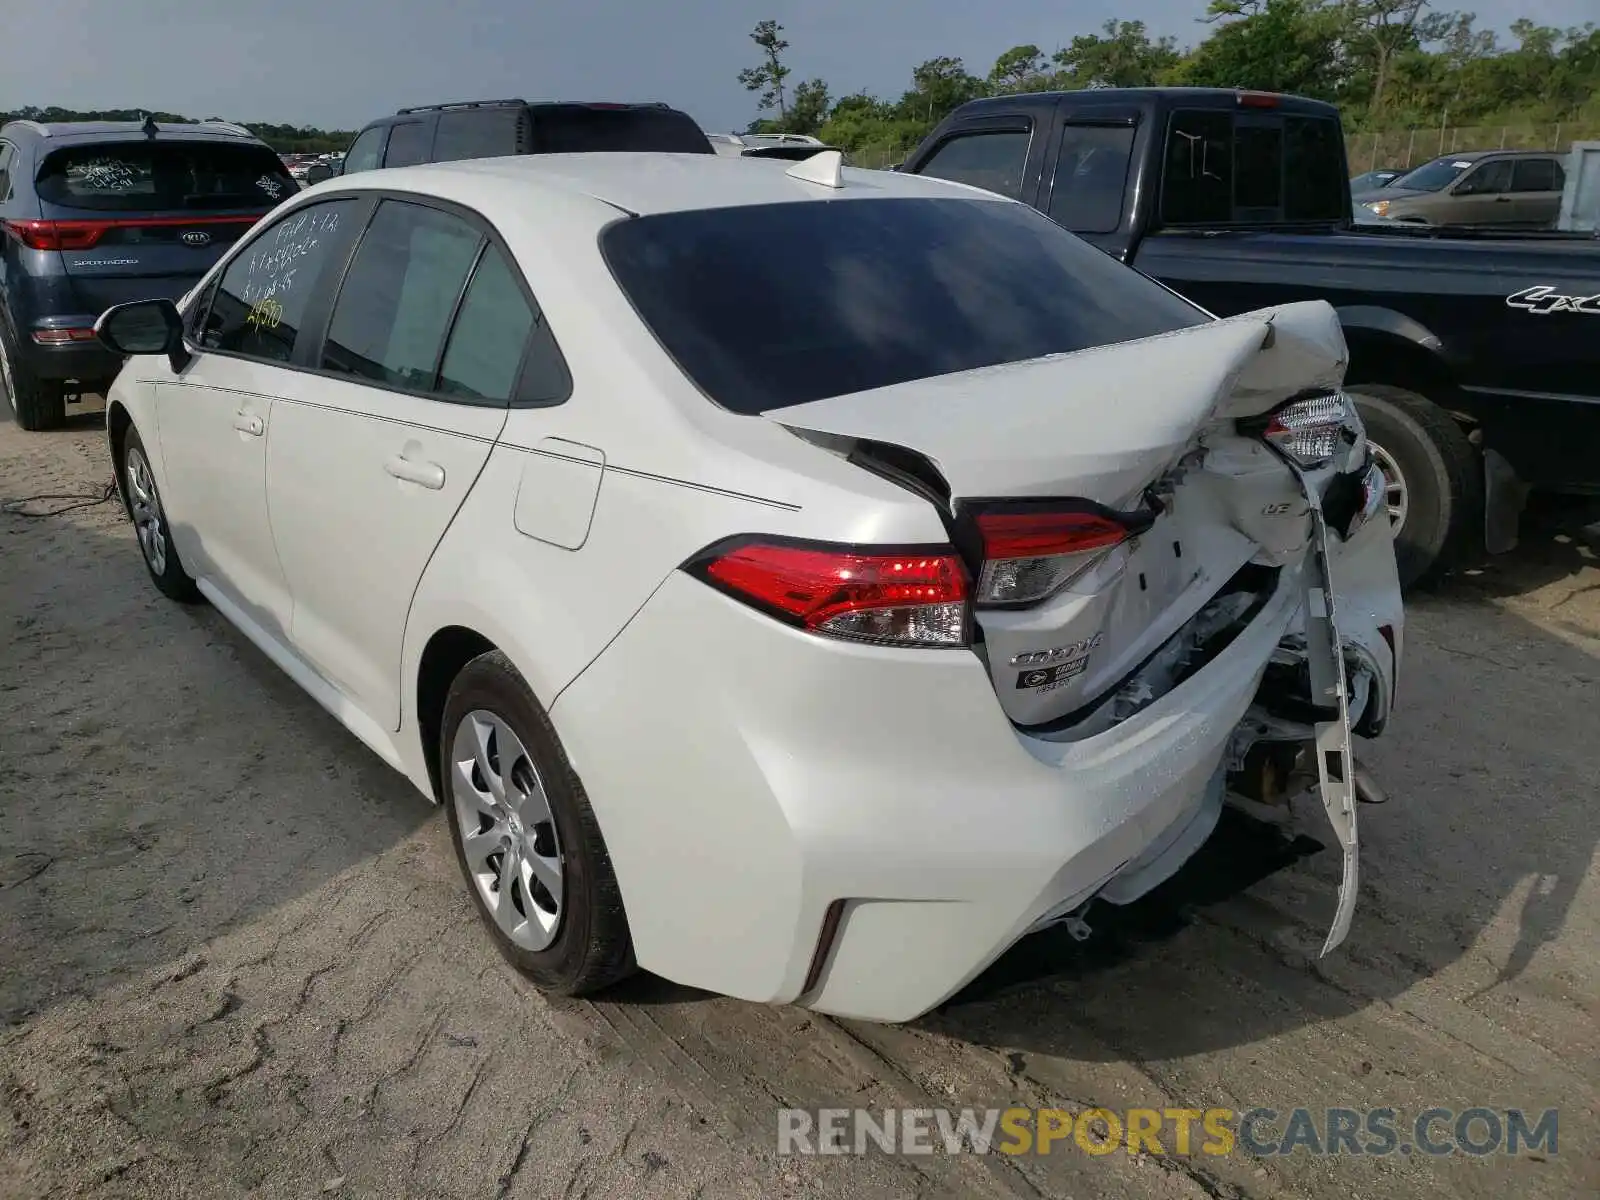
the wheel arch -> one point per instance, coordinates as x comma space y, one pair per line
1389, 347
118, 422
447, 651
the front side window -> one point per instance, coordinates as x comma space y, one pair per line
260, 302
156, 175
768, 306
395, 305
1091, 174
1490, 179
366, 152
993, 161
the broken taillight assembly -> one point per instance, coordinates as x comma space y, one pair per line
1030, 553
1312, 431
899, 596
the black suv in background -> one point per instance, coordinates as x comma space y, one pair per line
495, 128
96, 213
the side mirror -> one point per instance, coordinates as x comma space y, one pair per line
144, 327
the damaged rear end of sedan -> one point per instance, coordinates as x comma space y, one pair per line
1070, 565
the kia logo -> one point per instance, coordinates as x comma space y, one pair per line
197, 237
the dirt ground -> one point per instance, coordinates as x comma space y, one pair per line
238, 958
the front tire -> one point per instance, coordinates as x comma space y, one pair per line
527, 840
150, 523
39, 403
1433, 477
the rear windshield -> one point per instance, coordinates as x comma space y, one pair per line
775, 305
1434, 176
580, 128
142, 176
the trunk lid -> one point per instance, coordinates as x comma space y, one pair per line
1112, 425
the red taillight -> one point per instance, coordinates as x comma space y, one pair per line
1258, 100
62, 337
1030, 555
85, 235
57, 235
911, 597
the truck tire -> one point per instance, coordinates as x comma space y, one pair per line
37, 403
1435, 479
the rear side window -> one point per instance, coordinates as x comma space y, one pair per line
398, 297
366, 152
1091, 173
409, 143
1538, 175
582, 128
1220, 170
259, 304
992, 161
152, 176
7, 153
774, 305
478, 133
490, 333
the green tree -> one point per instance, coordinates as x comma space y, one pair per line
1019, 69
767, 79
1268, 45
939, 87
1121, 55
810, 108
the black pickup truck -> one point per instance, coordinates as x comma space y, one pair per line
1474, 355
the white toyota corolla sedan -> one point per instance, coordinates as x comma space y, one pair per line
801, 583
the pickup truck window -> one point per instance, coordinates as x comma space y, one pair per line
766, 306
1091, 173
1538, 175
992, 160
1227, 170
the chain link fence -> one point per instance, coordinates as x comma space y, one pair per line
1412, 147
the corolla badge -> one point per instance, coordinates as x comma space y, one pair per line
196, 237
1543, 300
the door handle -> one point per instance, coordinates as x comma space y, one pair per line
425, 474
1502, 199
249, 423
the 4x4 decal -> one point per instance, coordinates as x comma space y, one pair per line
1542, 300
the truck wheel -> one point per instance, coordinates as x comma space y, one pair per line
38, 403
1434, 480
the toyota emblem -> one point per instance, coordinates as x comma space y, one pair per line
196, 237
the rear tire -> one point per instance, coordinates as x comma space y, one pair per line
1435, 476
150, 522
39, 403
555, 910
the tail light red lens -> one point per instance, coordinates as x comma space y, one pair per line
1028, 556
85, 235
915, 596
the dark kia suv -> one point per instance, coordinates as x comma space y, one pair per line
95, 213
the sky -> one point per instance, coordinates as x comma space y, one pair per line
339, 63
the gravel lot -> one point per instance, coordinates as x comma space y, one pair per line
238, 957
